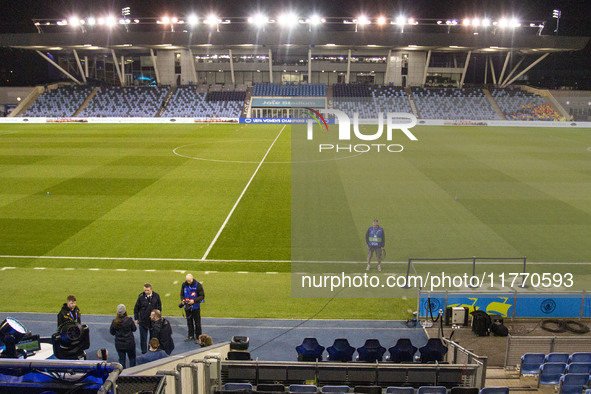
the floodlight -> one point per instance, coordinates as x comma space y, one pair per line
475, 22
556, 14
448, 22
74, 21
466, 22
174, 19
412, 21
381, 20
401, 20
11, 332
165, 20
316, 20
363, 20
503, 22
515, 23
121, 21
136, 21
101, 21
486, 22
110, 21
439, 22
126, 11
288, 19
192, 19
211, 20
258, 20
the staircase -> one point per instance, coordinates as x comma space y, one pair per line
88, 99
413, 105
494, 104
165, 101
247, 103
26, 103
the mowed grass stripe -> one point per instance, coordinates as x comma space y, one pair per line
253, 295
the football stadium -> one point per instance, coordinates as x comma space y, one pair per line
369, 203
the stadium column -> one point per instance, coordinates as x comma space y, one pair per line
79, 66
270, 66
58, 67
465, 68
504, 68
193, 70
492, 70
117, 67
426, 67
386, 75
231, 66
348, 66
485, 68
309, 65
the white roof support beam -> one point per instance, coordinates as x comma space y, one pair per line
525, 70
231, 67
80, 66
270, 66
492, 70
193, 70
504, 68
116, 65
465, 68
155, 66
44, 56
426, 67
515, 68
348, 75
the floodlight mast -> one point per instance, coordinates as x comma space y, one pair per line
556, 14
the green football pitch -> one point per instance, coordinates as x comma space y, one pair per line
97, 210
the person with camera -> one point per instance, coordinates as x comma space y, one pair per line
147, 301
192, 295
69, 312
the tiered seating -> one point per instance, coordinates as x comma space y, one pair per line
59, 103
341, 389
453, 104
225, 96
185, 103
351, 90
277, 90
125, 102
390, 99
518, 104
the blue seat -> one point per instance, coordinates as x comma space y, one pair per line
556, 358
340, 350
495, 390
573, 383
403, 351
432, 390
335, 389
580, 358
550, 373
433, 351
578, 368
371, 351
237, 386
310, 350
303, 388
530, 363
399, 390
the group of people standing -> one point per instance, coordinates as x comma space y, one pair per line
155, 331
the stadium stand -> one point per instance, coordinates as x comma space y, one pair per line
61, 102
125, 102
576, 103
518, 104
186, 101
277, 90
453, 104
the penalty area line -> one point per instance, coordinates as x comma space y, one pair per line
240, 197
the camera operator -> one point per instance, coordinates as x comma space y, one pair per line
69, 312
192, 295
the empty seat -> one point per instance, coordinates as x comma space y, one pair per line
403, 351
434, 350
578, 368
573, 383
238, 355
399, 390
580, 358
464, 390
310, 350
340, 350
495, 390
303, 388
368, 389
371, 351
271, 387
237, 386
530, 363
550, 373
556, 358
336, 389
432, 390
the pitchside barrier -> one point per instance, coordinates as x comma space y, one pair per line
518, 303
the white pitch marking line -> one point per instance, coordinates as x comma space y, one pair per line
69, 269
241, 194
39, 268
242, 272
167, 295
121, 269
8, 268
271, 273
210, 272
176, 282
94, 269
149, 270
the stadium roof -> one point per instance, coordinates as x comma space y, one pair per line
328, 41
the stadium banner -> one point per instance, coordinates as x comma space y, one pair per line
279, 120
288, 102
117, 120
520, 304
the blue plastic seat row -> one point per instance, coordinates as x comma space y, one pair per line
309, 388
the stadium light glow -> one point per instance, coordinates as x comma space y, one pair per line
401, 20
192, 20
315, 20
174, 19
165, 20
412, 21
515, 23
503, 23
363, 20
74, 21
466, 22
287, 19
91, 21
381, 20
110, 21
212, 20
101, 21
486, 22
475, 22
258, 20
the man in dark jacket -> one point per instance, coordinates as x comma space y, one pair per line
192, 295
69, 312
162, 331
146, 302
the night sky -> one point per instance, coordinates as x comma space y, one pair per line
16, 15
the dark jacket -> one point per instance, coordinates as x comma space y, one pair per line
192, 291
162, 331
123, 332
67, 315
144, 306
151, 356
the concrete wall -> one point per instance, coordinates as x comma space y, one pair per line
165, 63
10, 95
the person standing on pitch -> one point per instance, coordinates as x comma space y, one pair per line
146, 302
376, 240
192, 295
